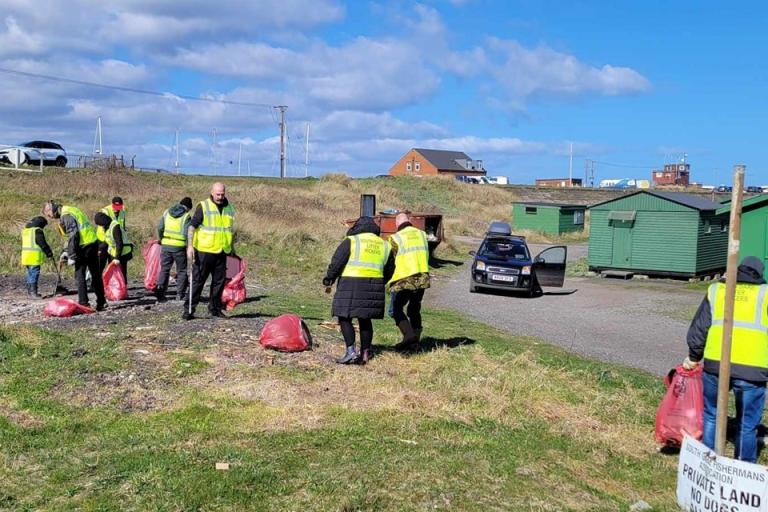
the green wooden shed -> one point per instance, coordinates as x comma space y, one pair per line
658, 233
754, 226
551, 218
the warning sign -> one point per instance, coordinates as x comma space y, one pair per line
709, 483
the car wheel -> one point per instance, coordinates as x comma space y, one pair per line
473, 288
61, 161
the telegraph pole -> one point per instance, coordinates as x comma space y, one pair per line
282, 109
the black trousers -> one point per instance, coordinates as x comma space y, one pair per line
215, 266
407, 306
348, 331
88, 258
167, 260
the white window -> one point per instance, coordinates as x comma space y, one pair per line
578, 217
417, 166
408, 166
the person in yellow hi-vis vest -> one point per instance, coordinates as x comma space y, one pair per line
362, 263
81, 249
411, 250
116, 212
116, 244
172, 233
34, 250
749, 353
210, 238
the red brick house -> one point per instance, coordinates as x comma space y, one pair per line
672, 174
433, 162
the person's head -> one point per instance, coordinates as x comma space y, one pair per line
186, 202
218, 192
39, 221
102, 219
51, 209
752, 265
401, 219
117, 203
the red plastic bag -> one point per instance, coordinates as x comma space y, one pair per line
682, 409
151, 253
115, 287
286, 333
234, 291
64, 307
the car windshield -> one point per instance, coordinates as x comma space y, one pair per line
504, 249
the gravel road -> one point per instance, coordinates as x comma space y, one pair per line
637, 323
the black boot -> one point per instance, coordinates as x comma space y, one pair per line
366, 355
417, 332
350, 356
33, 291
409, 336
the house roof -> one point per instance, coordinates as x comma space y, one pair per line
553, 205
444, 160
689, 200
752, 201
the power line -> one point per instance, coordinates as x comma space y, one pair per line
628, 166
131, 89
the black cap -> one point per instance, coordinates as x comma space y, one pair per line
117, 200
754, 263
186, 202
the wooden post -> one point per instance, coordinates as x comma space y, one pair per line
734, 234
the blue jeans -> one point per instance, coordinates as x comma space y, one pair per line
750, 400
33, 274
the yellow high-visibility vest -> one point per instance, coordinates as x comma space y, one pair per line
368, 254
87, 233
119, 217
31, 253
174, 233
214, 235
110, 239
749, 345
412, 253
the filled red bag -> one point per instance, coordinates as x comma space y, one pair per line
151, 253
286, 333
64, 307
115, 287
682, 409
234, 291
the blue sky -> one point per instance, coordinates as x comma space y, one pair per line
510, 82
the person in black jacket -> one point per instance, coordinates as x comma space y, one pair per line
33, 248
360, 297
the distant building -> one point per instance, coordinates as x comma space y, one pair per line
673, 174
559, 182
433, 162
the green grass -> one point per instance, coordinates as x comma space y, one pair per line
494, 422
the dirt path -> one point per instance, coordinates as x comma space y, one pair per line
638, 323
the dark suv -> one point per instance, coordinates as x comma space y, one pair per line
503, 262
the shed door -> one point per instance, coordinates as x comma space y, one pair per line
622, 243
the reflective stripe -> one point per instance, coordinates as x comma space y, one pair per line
412, 253
110, 239
214, 235
86, 231
368, 264
174, 233
755, 324
357, 262
31, 253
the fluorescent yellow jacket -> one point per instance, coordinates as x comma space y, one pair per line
31, 253
368, 254
110, 239
412, 253
85, 229
119, 217
214, 235
174, 230
749, 346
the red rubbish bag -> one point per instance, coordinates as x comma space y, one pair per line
234, 291
286, 333
64, 307
115, 287
151, 253
682, 409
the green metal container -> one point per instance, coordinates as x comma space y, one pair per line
754, 226
550, 218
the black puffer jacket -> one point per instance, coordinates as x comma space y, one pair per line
358, 297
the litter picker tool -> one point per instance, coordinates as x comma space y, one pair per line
191, 273
58, 288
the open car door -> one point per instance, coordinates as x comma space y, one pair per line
549, 266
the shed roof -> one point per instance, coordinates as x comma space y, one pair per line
444, 160
752, 201
689, 200
554, 205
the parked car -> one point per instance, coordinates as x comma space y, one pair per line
723, 188
504, 262
475, 180
755, 190
51, 153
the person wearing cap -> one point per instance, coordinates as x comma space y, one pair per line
362, 263
172, 233
749, 353
116, 212
81, 250
34, 250
117, 245
410, 279
210, 238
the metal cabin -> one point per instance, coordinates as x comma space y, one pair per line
754, 226
550, 218
658, 233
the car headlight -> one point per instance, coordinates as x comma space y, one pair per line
526, 271
480, 265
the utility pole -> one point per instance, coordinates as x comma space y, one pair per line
570, 167
724, 377
306, 152
176, 163
282, 109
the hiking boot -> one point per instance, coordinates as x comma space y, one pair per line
409, 342
186, 315
101, 306
218, 314
365, 356
160, 297
350, 356
417, 332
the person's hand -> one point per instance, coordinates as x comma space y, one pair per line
690, 365
71, 261
190, 253
327, 282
